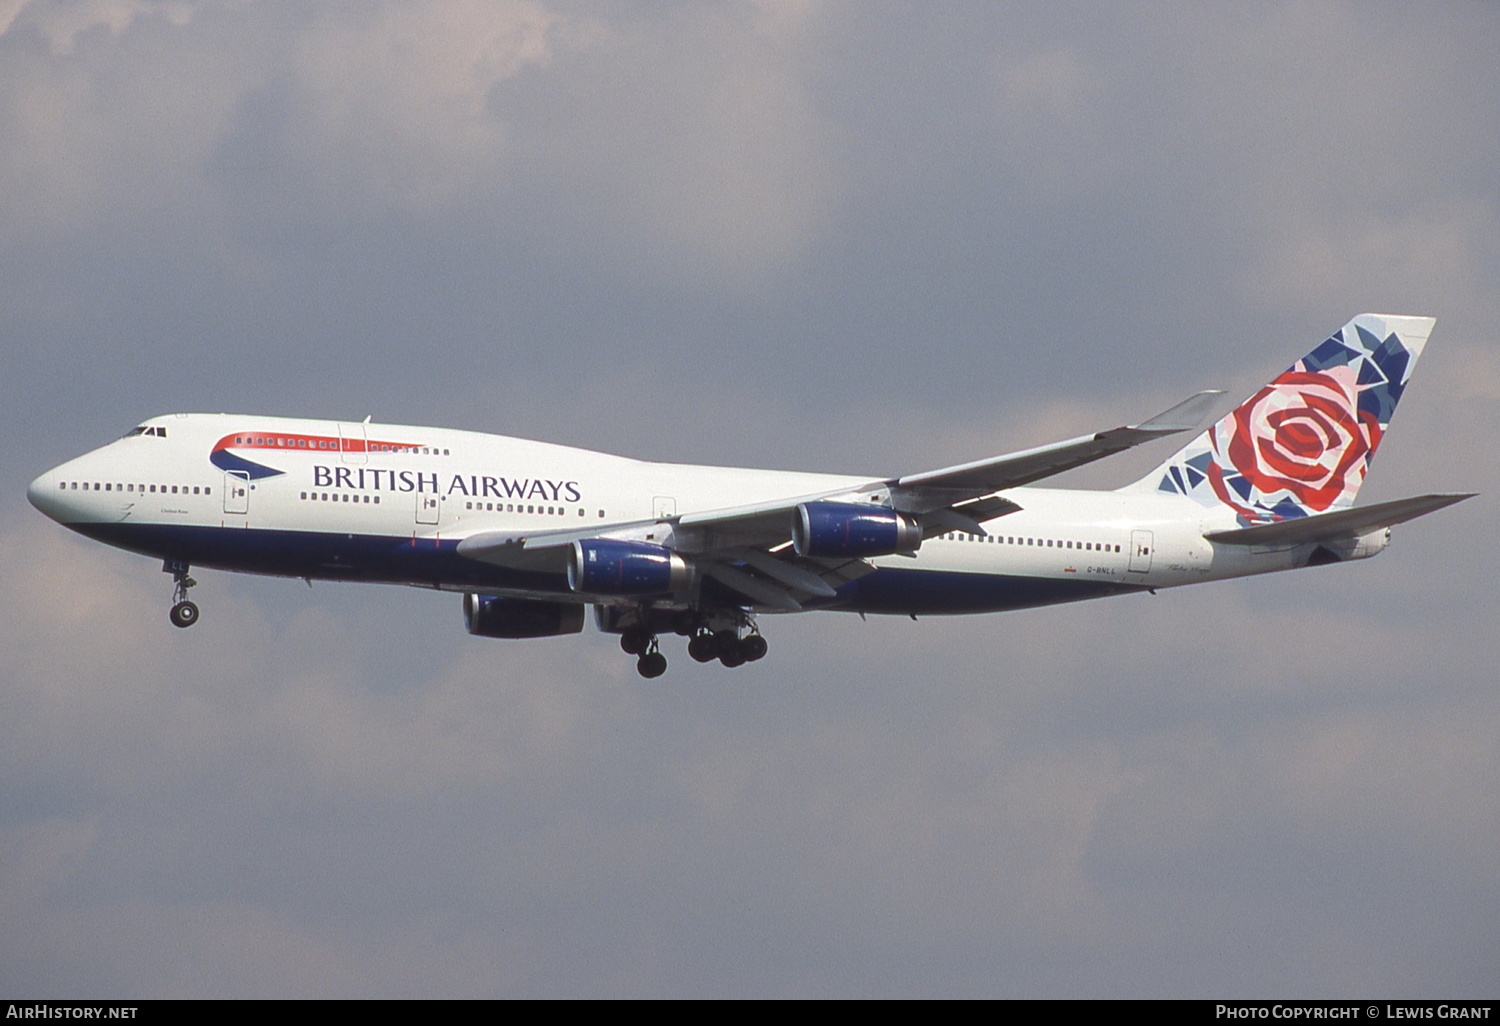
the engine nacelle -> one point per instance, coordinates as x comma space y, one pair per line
604, 566
493, 616
848, 530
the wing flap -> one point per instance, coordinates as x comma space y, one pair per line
767, 593
787, 573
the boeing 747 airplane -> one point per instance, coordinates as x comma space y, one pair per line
532, 533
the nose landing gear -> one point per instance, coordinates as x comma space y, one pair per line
183, 613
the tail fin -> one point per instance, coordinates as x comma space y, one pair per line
1303, 443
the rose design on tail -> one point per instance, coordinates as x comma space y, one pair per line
1300, 437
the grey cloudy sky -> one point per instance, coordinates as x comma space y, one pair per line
821, 235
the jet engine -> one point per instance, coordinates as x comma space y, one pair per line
604, 566
833, 530
493, 616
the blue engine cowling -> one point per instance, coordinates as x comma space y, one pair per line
493, 616
603, 566
834, 530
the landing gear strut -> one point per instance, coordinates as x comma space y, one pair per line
184, 613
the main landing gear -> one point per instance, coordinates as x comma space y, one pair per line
638, 641
727, 647
704, 644
184, 613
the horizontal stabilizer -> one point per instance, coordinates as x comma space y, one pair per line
1338, 524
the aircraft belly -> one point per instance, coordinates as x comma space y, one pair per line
937, 592
322, 556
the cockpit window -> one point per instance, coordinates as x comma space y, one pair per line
133, 432
155, 432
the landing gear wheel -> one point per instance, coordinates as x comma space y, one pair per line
634, 640
753, 647
184, 614
703, 648
652, 664
726, 642
732, 659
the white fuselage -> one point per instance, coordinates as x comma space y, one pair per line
326, 499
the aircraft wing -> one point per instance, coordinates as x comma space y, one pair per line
1338, 524
937, 489
748, 548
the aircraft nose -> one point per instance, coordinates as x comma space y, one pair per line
42, 493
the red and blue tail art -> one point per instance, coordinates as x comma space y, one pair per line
1303, 444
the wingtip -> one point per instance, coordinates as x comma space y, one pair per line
1185, 416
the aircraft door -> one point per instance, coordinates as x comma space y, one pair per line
427, 508
236, 491
1140, 551
352, 447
